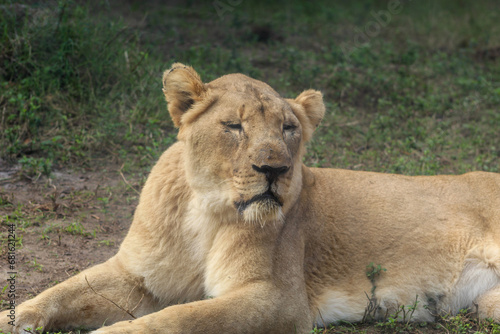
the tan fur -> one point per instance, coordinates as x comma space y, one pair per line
234, 234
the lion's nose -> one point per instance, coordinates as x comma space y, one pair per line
271, 172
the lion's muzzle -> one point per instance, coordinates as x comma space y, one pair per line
272, 173
268, 198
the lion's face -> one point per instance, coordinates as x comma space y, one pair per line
247, 143
244, 142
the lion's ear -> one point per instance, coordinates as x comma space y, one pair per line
311, 103
182, 87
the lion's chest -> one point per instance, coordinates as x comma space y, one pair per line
178, 272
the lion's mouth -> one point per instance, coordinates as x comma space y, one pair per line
268, 196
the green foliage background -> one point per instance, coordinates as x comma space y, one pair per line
80, 82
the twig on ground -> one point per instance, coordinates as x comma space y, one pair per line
126, 182
322, 320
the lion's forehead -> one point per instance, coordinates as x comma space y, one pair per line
241, 83
254, 104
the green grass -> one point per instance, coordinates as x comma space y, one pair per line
76, 86
80, 85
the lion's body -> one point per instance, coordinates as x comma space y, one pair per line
234, 234
422, 230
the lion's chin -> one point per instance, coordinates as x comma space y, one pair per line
262, 212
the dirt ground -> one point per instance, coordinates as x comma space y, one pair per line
64, 224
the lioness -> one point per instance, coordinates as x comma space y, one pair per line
233, 234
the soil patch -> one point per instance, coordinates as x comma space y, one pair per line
63, 224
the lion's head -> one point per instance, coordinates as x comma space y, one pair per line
244, 143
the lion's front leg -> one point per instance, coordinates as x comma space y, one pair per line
101, 295
257, 308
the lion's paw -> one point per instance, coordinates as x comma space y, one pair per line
21, 321
122, 327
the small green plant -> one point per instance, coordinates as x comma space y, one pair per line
391, 323
104, 201
401, 319
106, 242
460, 323
44, 236
14, 217
76, 228
38, 330
37, 266
35, 167
493, 327
466, 322
319, 330
373, 272
54, 227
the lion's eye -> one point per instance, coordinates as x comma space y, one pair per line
289, 127
233, 126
